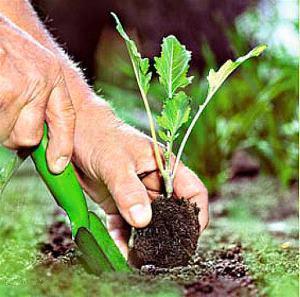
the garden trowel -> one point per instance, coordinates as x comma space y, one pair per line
90, 234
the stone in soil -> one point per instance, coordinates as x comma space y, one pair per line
171, 237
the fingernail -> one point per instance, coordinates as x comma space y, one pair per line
61, 164
140, 214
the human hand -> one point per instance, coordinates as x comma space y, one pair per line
32, 91
117, 168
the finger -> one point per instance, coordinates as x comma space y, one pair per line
189, 186
152, 181
97, 191
28, 129
9, 114
119, 232
131, 198
60, 117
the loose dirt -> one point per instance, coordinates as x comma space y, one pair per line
59, 246
215, 273
218, 274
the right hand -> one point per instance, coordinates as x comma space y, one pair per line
32, 91
116, 166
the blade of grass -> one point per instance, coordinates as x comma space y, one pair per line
9, 163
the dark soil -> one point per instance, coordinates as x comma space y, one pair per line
171, 237
217, 273
59, 246
223, 273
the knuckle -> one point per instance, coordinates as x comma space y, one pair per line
56, 71
8, 144
9, 91
37, 82
27, 141
127, 198
35, 140
64, 121
69, 113
30, 137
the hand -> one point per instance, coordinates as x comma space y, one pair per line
106, 152
32, 91
109, 153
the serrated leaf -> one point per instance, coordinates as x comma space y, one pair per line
174, 114
140, 65
216, 79
163, 136
172, 66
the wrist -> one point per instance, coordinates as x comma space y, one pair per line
81, 93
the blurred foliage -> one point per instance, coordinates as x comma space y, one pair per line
255, 110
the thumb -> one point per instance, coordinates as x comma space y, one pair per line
60, 117
131, 198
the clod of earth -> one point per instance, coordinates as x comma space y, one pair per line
171, 237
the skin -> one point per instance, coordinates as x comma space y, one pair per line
114, 162
31, 93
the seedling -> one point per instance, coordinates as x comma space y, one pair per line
172, 67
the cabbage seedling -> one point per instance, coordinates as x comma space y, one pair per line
172, 67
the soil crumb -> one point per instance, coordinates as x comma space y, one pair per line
171, 237
223, 273
59, 246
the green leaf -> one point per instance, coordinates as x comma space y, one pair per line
163, 136
140, 65
216, 79
174, 114
172, 66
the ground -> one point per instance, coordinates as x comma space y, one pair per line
249, 249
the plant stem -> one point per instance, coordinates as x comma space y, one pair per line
188, 132
168, 182
150, 119
168, 179
153, 133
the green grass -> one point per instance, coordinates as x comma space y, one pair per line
272, 259
26, 210
241, 215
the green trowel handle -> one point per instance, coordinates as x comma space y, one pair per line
98, 248
64, 187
